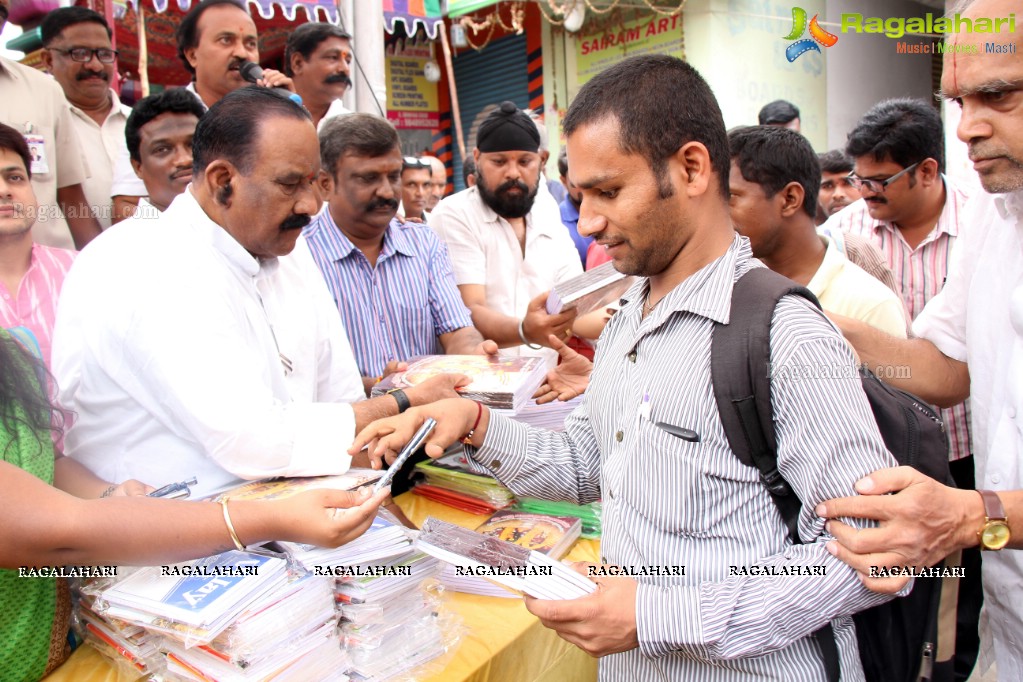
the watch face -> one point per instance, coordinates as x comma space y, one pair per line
995, 535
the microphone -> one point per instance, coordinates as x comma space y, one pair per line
250, 71
253, 73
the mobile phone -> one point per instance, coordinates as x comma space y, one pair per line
417, 440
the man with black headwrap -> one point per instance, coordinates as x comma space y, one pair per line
506, 255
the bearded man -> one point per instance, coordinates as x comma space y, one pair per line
506, 253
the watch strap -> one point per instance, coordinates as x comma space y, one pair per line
993, 508
401, 398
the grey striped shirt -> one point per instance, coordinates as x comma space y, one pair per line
668, 501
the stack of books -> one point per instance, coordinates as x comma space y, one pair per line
129, 647
391, 621
504, 383
589, 514
384, 539
506, 564
549, 416
447, 481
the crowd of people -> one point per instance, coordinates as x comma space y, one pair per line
209, 284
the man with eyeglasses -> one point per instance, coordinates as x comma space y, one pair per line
911, 211
416, 181
34, 105
80, 56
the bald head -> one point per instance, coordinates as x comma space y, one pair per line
438, 181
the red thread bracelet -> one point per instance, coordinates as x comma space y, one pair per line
467, 440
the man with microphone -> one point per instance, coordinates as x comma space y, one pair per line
215, 39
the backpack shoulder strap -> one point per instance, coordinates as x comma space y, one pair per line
740, 362
740, 372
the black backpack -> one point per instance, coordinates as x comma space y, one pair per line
897, 640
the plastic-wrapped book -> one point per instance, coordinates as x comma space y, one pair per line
593, 289
503, 382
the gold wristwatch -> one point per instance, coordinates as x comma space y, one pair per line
994, 534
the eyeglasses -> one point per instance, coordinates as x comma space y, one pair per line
413, 162
84, 54
878, 186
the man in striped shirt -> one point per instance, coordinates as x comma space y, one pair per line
391, 281
649, 152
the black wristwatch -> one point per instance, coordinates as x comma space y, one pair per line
400, 398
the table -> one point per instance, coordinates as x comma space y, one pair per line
502, 641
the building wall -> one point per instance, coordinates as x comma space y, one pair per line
863, 69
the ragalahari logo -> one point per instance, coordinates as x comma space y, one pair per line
817, 35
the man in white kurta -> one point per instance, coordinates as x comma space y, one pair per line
205, 343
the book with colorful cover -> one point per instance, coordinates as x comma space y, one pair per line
550, 535
503, 382
278, 488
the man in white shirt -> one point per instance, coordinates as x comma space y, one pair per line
80, 56
207, 345
506, 254
971, 344
214, 39
318, 58
774, 185
159, 137
34, 105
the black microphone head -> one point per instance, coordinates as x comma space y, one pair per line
250, 71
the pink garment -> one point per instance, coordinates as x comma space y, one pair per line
34, 304
596, 255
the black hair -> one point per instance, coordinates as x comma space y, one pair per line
362, 134
230, 129
903, 130
772, 157
563, 162
24, 383
778, 112
187, 33
306, 38
59, 19
14, 141
660, 103
468, 168
170, 101
835, 161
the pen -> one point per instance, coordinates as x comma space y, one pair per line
406, 452
174, 490
677, 431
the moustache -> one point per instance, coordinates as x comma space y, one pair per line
295, 222
876, 200
517, 184
391, 204
85, 75
338, 78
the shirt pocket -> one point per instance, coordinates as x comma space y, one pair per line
666, 484
416, 319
